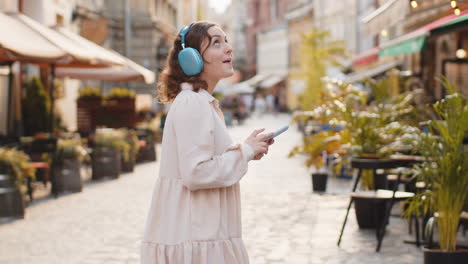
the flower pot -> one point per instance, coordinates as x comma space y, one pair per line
106, 163
127, 166
11, 203
370, 212
147, 153
437, 256
6, 182
67, 177
319, 182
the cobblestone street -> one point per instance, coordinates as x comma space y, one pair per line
283, 221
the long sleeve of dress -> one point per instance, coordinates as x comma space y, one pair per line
200, 167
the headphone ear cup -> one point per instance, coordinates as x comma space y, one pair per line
190, 61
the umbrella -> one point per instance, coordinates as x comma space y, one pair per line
24, 39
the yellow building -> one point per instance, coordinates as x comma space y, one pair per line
300, 20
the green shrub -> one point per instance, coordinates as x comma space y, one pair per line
36, 108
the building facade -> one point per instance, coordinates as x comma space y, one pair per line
300, 21
434, 53
262, 15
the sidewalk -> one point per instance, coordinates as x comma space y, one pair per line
283, 221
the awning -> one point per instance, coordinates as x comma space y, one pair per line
415, 40
255, 81
272, 80
239, 88
24, 39
131, 71
234, 88
379, 69
366, 57
460, 21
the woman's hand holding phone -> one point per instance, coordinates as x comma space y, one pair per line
258, 143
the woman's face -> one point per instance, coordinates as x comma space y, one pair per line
217, 55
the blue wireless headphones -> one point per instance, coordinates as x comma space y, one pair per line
190, 59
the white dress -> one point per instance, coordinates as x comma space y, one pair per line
195, 213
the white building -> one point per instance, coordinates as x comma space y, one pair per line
233, 22
272, 51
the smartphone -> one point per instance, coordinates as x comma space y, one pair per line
278, 132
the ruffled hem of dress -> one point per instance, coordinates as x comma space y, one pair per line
230, 251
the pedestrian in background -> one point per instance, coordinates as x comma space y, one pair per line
260, 105
195, 213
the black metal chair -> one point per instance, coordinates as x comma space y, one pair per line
36, 151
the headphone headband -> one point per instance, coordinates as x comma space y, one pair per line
184, 31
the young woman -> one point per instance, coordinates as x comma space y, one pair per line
195, 214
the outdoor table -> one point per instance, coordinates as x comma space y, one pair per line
374, 164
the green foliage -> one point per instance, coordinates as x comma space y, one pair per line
315, 145
36, 108
317, 52
120, 93
131, 138
17, 163
445, 171
89, 93
70, 149
114, 139
379, 127
373, 123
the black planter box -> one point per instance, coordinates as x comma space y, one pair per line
127, 166
106, 163
432, 256
319, 182
370, 212
67, 177
147, 153
11, 203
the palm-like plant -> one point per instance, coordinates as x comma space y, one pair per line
445, 170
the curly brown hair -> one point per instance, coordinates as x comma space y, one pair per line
172, 76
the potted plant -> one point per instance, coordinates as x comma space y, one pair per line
14, 164
131, 138
121, 98
149, 133
375, 125
67, 161
109, 146
445, 173
316, 147
89, 97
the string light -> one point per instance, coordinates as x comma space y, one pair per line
414, 3
456, 11
453, 3
461, 53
